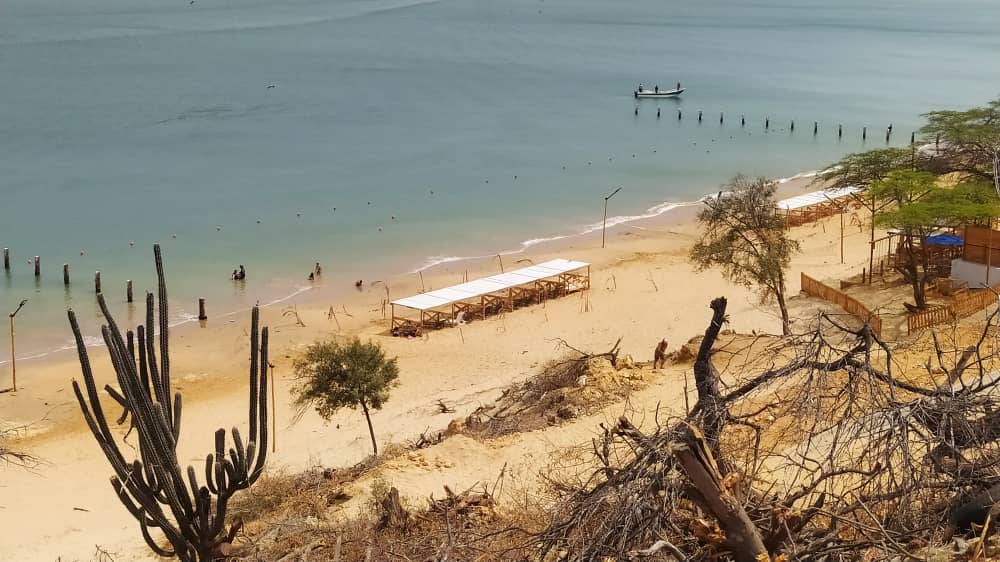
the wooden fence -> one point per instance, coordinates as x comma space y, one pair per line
964, 305
814, 288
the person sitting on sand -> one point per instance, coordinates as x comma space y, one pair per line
319, 270
312, 276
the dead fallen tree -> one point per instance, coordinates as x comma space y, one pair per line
565, 389
830, 452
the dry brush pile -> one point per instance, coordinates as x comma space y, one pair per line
828, 454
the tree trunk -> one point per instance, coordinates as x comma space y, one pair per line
743, 539
371, 430
779, 295
706, 378
912, 272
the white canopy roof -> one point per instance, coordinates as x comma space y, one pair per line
816, 197
493, 284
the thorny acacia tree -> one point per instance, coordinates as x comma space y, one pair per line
918, 207
190, 516
969, 139
335, 375
744, 237
820, 449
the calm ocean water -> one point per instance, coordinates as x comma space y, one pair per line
139, 120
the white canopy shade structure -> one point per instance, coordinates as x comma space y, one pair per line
500, 292
813, 206
816, 198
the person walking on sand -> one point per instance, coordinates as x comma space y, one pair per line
660, 355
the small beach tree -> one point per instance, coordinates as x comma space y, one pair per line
334, 375
744, 237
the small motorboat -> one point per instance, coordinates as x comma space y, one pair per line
645, 93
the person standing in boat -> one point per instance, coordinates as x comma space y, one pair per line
656, 89
678, 86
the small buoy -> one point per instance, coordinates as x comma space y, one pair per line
380, 229
335, 209
131, 243
172, 236
218, 229
258, 221
432, 192
487, 181
564, 167
515, 176
633, 156
393, 217
369, 202
588, 162
81, 249
299, 214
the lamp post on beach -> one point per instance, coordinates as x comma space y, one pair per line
604, 224
13, 363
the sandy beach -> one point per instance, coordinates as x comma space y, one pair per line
643, 289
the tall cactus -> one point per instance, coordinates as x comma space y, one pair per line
191, 517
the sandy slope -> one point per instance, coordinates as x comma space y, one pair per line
643, 290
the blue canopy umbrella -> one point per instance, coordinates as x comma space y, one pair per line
945, 240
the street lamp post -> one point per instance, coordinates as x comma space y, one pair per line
13, 360
604, 224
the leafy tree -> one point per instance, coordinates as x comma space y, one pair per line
861, 169
918, 207
335, 375
747, 240
969, 139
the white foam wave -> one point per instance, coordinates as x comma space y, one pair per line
654, 211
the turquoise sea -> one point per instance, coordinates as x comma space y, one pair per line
476, 124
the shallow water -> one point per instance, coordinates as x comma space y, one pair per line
138, 120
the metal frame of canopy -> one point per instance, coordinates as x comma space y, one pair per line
494, 294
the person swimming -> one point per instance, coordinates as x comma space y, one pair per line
318, 270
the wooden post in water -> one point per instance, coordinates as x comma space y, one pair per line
720, 118
743, 120
815, 128
97, 282
864, 133
792, 127
767, 123
699, 116
657, 112
201, 310
887, 133
840, 131
128, 291
6, 259
913, 138
678, 115
65, 274
38, 266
